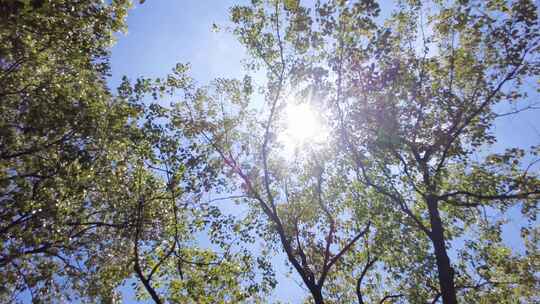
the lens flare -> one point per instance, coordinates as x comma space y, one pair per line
302, 126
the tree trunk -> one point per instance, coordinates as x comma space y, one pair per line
316, 292
446, 273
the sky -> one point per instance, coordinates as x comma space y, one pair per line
162, 33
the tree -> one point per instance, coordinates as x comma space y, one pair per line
412, 101
401, 198
169, 193
94, 187
58, 128
304, 204
427, 112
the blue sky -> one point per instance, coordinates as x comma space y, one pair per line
162, 33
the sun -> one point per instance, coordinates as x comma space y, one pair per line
301, 122
302, 126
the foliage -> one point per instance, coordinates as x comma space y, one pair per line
404, 199
58, 128
411, 102
95, 187
173, 209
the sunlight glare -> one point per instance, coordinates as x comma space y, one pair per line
302, 126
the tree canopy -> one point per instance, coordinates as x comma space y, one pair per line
400, 195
